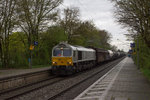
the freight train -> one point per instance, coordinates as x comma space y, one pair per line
68, 59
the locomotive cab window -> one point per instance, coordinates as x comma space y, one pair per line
79, 55
66, 52
74, 54
57, 52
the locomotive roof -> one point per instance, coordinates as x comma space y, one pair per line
79, 48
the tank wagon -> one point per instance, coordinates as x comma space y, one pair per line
68, 59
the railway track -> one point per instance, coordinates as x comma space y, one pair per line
10, 94
69, 88
25, 90
16, 80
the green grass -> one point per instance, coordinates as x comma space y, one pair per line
146, 73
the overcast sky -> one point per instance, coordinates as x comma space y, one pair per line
101, 12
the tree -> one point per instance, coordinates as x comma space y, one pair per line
34, 16
70, 22
135, 15
89, 35
17, 50
49, 39
104, 39
114, 48
7, 22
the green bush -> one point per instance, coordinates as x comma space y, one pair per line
144, 57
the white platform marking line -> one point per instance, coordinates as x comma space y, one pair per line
112, 81
85, 91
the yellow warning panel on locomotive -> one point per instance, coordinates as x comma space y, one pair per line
62, 61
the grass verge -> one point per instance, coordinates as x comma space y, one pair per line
146, 73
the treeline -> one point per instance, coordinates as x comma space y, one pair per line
26, 22
135, 15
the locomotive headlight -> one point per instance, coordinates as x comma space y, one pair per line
54, 62
69, 62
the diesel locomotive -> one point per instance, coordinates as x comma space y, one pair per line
68, 59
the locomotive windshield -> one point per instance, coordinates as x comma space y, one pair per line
57, 52
67, 52
62, 52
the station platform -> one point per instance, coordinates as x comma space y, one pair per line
123, 82
15, 72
